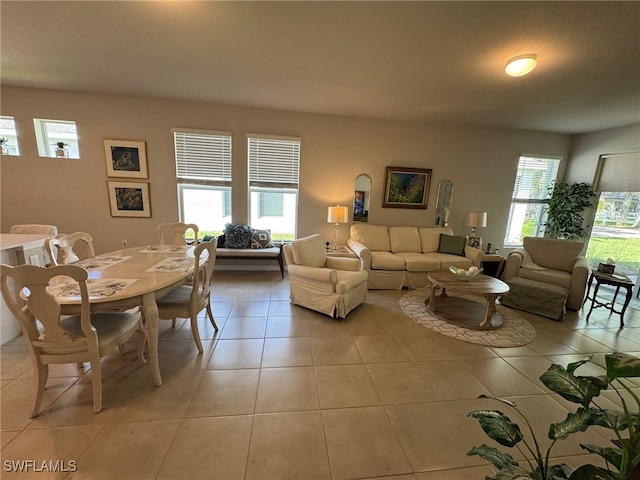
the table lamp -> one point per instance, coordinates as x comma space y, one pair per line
337, 215
475, 220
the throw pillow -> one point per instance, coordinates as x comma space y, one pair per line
261, 239
451, 244
220, 241
237, 236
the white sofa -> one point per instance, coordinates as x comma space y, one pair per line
396, 257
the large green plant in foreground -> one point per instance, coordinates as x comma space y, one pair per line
565, 208
622, 457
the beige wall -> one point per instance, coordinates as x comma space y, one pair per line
72, 193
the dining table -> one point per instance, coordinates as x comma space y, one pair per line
129, 278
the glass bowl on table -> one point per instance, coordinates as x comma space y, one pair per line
467, 274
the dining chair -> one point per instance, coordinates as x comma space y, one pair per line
189, 300
34, 228
176, 232
62, 248
53, 338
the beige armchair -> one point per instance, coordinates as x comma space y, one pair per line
552, 261
331, 285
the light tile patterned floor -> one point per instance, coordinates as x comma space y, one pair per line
285, 393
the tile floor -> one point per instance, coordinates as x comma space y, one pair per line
285, 393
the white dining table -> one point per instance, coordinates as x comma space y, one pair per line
136, 276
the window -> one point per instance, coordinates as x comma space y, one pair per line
274, 166
9, 136
203, 170
530, 194
56, 138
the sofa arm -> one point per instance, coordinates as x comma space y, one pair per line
513, 264
475, 254
343, 263
321, 276
578, 287
362, 251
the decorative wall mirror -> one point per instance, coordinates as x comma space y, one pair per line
443, 202
362, 198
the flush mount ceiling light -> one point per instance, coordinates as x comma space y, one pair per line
521, 65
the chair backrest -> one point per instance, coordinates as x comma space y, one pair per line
176, 231
203, 274
34, 228
62, 248
25, 292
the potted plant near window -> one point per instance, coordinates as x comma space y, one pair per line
61, 151
565, 209
3, 146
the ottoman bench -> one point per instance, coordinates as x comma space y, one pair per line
543, 299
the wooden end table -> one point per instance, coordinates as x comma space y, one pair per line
481, 285
618, 280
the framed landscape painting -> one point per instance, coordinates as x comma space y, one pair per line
126, 158
129, 199
407, 187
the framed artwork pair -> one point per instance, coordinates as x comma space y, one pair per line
127, 159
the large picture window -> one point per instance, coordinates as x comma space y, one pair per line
203, 171
274, 166
530, 195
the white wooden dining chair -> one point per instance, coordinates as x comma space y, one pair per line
34, 228
53, 338
63, 249
174, 233
189, 300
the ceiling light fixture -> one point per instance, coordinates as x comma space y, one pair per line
521, 65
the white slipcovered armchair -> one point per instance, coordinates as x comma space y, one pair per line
331, 285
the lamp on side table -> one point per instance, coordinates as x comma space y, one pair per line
337, 215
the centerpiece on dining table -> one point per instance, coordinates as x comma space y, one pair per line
466, 275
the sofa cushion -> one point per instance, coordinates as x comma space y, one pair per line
261, 239
430, 237
451, 244
375, 237
447, 260
419, 262
386, 261
553, 253
310, 251
554, 277
404, 239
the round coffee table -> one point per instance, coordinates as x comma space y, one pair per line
460, 310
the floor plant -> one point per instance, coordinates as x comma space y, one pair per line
622, 456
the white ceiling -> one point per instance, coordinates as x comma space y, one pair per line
417, 61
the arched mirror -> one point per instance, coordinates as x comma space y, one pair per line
443, 202
361, 198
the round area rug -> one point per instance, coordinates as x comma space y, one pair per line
514, 332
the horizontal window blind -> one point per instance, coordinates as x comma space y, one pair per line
203, 155
273, 161
620, 173
533, 176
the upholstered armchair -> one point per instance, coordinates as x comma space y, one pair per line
554, 261
330, 285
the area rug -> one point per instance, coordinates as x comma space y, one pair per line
514, 332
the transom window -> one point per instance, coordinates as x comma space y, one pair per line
274, 169
8, 136
56, 138
530, 195
203, 171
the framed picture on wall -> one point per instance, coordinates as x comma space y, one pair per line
129, 199
126, 158
407, 187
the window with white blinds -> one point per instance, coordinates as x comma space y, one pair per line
203, 156
203, 170
273, 161
530, 195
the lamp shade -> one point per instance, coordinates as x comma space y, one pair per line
476, 219
338, 214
